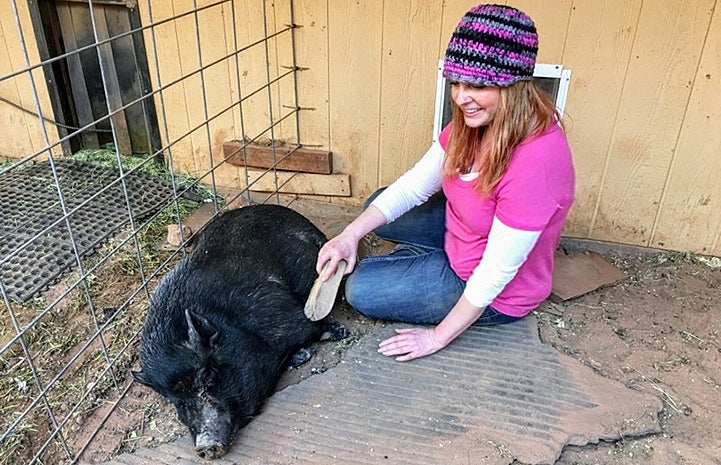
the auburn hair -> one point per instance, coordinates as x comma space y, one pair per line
523, 110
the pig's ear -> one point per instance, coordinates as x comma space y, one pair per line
139, 376
201, 334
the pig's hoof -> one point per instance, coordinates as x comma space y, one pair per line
300, 357
334, 332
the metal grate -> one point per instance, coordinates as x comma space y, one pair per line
497, 394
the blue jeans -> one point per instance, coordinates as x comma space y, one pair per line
414, 283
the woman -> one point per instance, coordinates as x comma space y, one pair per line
480, 251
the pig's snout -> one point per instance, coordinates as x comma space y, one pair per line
214, 436
208, 448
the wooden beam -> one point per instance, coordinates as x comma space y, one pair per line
126, 3
299, 183
281, 157
107, 62
79, 90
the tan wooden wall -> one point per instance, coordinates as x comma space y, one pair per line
643, 111
22, 134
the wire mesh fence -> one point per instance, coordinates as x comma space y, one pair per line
123, 107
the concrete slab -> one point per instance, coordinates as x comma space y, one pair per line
494, 396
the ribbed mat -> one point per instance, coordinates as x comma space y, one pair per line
30, 204
495, 395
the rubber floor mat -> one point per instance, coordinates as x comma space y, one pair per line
30, 204
496, 395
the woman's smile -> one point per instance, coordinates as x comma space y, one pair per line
478, 103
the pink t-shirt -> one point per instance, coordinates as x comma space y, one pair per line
535, 194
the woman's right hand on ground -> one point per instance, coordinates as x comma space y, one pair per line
341, 247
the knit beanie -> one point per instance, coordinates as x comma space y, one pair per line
493, 45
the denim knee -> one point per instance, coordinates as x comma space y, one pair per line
411, 285
354, 292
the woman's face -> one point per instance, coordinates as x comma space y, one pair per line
478, 103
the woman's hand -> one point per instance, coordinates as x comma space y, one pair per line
411, 343
345, 245
418, 342
341, 247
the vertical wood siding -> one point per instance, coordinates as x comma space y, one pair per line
642, 112
355, 40
199, 75
689, 213
409, 57
652, 105
601, 36
23, 135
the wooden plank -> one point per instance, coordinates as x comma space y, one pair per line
150, 116
283, 55
192, 101
595, 95
232, 42
229, 176
313, 80
81, 99
301, 183
266, 58
690, 212
355, 89
408, 85
250, 29
56, 81
286, 182
27, 134
653, 103
170, 101
265, 156
117, 20
124, 3
92, 57
218, 83
112, 84
13, 144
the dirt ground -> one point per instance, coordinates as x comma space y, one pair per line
657, 331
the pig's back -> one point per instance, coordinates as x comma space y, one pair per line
258, 244
251, 270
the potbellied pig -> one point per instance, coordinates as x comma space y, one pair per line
225, 321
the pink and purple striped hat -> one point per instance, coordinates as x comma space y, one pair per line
493, 45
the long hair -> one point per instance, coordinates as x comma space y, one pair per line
523, 110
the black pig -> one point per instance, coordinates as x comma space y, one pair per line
225, 322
